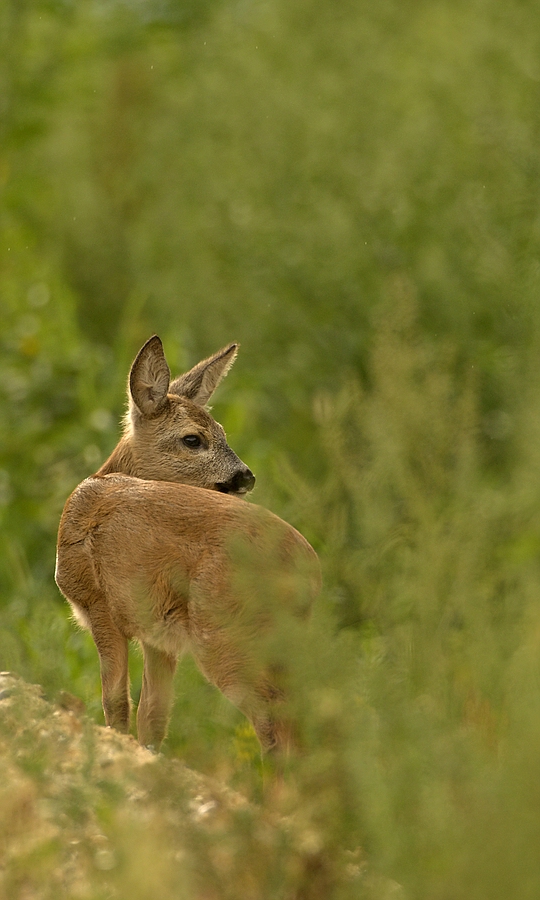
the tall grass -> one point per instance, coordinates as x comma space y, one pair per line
432, 567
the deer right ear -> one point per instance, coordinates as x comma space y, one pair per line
149, 378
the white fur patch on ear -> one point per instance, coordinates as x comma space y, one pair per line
149, 378
201, 381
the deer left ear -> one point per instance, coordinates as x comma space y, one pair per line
149, 378
200, 382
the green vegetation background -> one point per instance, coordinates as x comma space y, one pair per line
351, 190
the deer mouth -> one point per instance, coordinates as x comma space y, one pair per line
223, 489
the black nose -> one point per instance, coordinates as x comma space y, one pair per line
244, 481
241, 482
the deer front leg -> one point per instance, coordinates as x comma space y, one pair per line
266, 708
236, 672
156, 696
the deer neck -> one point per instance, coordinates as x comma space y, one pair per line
122, 460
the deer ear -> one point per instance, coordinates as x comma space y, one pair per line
200, 382
149, 378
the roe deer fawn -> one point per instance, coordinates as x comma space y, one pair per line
157, 547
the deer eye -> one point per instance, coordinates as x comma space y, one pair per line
192, 441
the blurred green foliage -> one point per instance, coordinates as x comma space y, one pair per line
351, 191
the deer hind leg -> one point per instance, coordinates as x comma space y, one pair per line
90, 610
156, 696
112, 647
76, 578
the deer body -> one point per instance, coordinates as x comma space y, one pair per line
180, 566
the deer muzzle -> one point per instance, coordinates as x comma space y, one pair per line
240, 483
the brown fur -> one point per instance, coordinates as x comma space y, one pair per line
156, 547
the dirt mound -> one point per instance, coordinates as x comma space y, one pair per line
88, 813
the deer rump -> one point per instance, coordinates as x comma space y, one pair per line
179, 568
